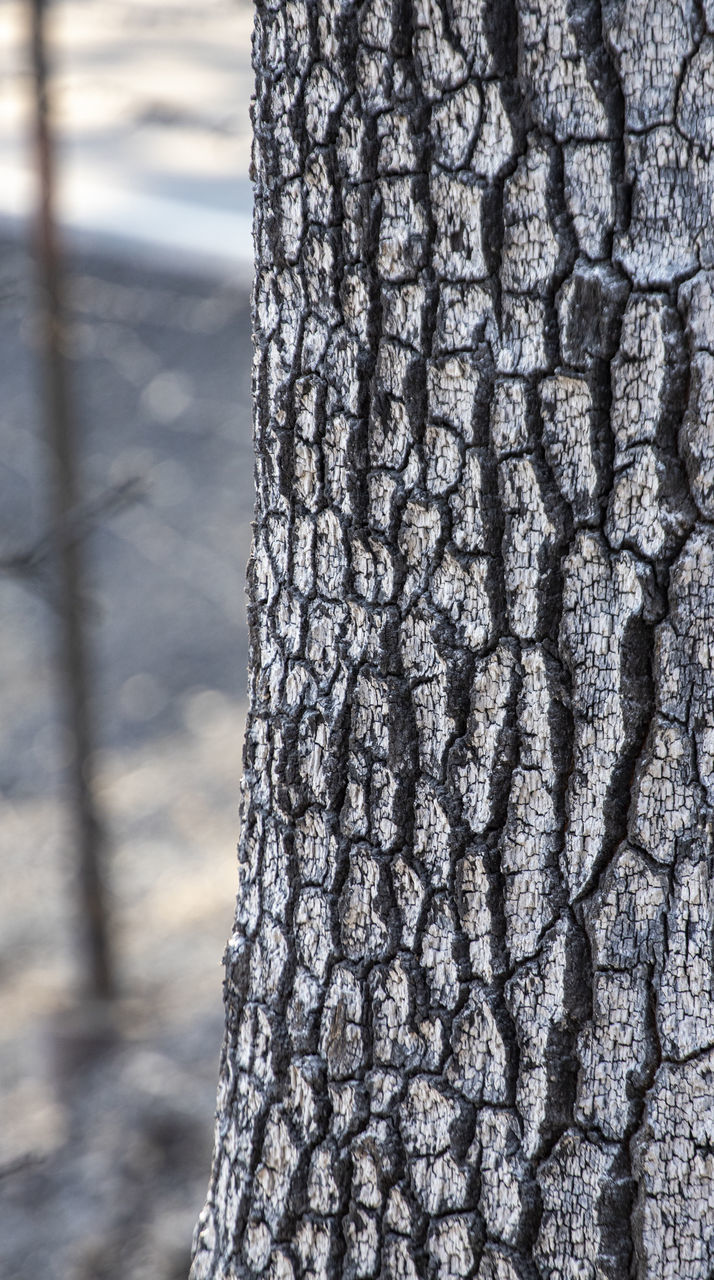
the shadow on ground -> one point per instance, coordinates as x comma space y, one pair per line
105, 1131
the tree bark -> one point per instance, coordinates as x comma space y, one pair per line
470, 1018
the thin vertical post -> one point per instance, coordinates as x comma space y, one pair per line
61, 438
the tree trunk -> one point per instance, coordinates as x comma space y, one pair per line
470, 1019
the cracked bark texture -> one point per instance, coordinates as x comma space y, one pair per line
470, 1016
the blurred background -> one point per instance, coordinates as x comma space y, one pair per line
106, 1103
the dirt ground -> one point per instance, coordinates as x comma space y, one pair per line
106, 1117
105, 1121
150, 104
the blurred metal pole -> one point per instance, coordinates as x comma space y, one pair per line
61, 438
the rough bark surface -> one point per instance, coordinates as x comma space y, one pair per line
470, 1017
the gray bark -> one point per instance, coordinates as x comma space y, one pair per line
470, 1019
